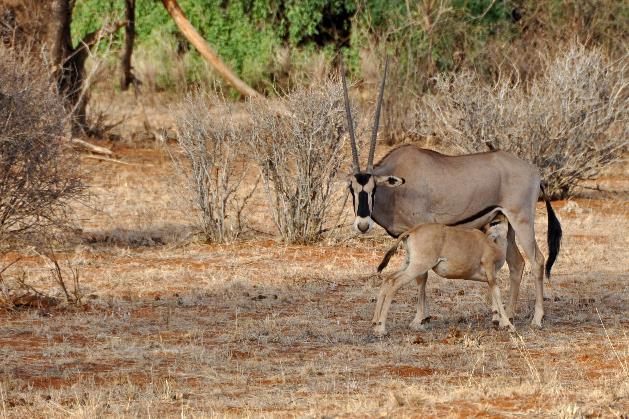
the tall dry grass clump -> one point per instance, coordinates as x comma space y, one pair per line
571, 121
297, 142
39, 172
212, 164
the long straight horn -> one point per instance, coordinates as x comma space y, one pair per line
350, 121
376, 122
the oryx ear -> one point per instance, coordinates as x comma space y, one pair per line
389, 180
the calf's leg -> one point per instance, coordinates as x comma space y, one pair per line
421, 317
387, 292
496, 299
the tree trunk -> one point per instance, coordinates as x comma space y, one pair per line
127, 75
69, 62
206, 50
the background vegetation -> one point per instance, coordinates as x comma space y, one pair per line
271, 42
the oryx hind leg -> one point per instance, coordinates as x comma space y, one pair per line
515, 261
525, 232
421, 317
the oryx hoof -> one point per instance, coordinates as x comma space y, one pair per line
417, 326
380, 330
536, 323
426, 320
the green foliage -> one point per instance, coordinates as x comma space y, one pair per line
245, 33
305, 18
266, 41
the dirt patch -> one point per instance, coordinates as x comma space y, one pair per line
407, 371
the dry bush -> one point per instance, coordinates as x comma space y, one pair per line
24, 24
571, 121
297, 142
212, 164
39, 173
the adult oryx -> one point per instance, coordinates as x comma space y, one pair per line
411, 186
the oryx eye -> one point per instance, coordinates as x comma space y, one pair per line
494, 223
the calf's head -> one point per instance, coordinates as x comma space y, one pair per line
497, 228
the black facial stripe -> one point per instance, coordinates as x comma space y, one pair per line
363, 204
373, 195
351, 190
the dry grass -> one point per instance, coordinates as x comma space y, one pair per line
258, 328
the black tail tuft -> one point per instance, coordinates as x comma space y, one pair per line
554, 235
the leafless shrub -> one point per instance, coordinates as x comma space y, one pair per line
18, 291
39, 172
212, 164
61, 276
297, 142
571, 121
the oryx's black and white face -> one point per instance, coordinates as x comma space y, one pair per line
363, 184
363, 188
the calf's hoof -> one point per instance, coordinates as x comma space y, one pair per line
495, 318
379, 330
506, 325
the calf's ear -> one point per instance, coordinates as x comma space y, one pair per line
389, 180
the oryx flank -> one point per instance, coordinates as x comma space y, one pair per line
451, 252
412, 186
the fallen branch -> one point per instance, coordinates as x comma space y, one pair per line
91, 147
206, 50
113, 160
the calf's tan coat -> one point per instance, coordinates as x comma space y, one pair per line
451, 252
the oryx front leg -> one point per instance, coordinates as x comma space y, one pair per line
421, 317
515, 261
387, 291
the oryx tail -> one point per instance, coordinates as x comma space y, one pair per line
554, 234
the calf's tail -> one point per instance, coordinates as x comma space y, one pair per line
391, 252
554, 234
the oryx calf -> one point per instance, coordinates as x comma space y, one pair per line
451, 252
